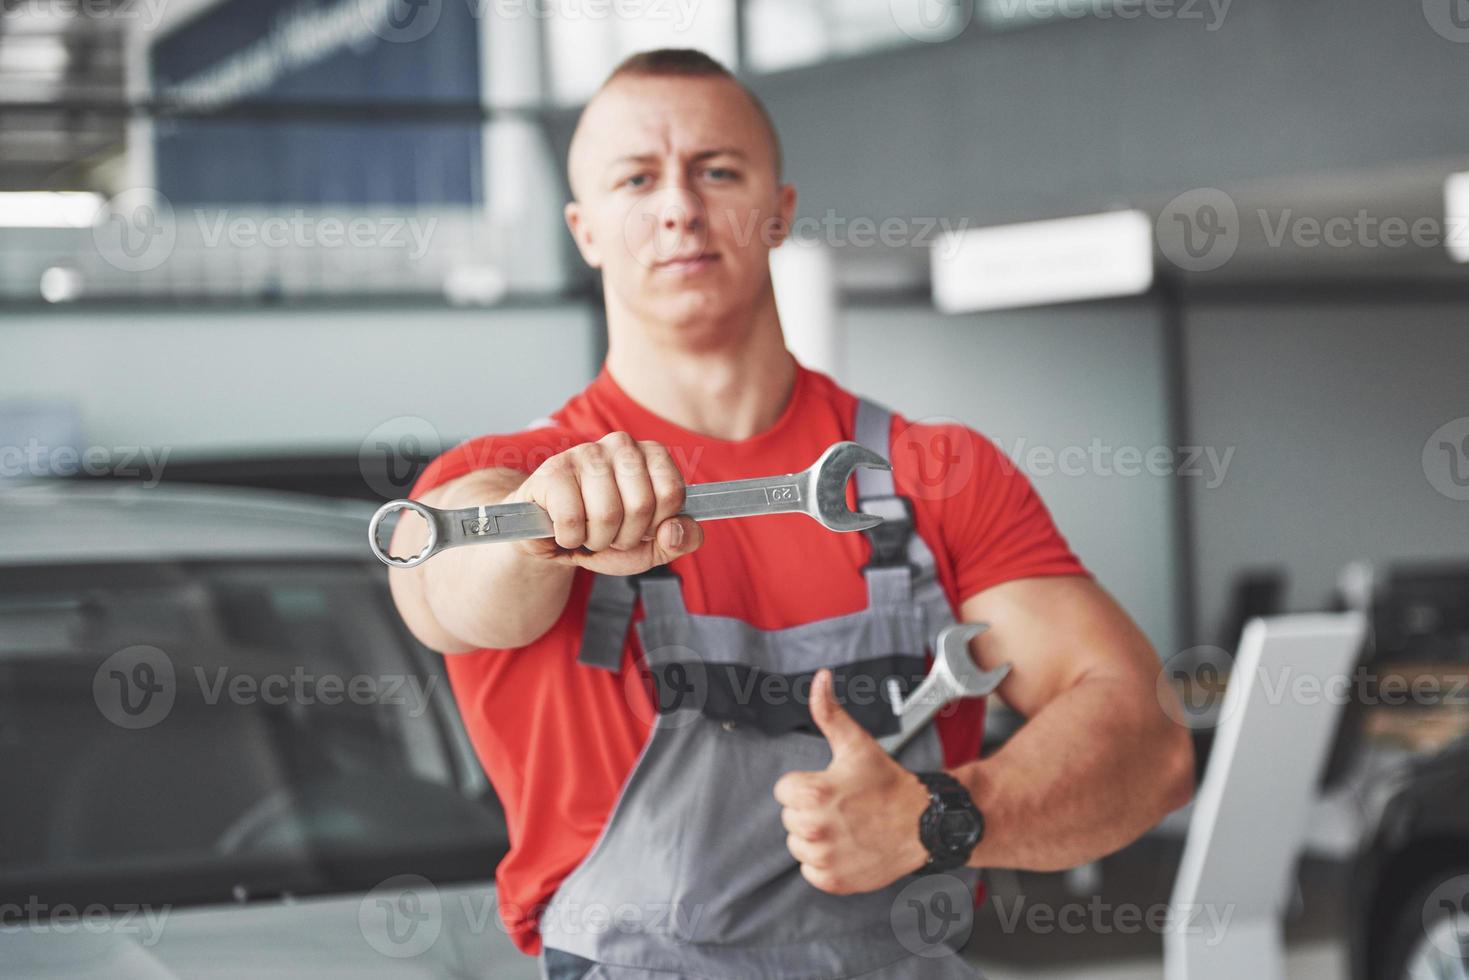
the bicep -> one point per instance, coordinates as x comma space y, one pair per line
1056, 630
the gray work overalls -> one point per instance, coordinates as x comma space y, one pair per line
691, 876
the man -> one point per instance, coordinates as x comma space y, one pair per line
748, 828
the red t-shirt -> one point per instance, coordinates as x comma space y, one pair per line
557, 739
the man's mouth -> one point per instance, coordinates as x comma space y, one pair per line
683, 265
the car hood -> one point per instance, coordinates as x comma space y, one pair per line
400, 930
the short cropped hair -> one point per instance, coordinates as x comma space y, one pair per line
691, 63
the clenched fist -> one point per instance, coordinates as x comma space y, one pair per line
612, 503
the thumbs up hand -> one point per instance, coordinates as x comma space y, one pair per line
853, 825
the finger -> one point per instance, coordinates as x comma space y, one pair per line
635, 487
818, 857
560, 494
801, 790
668, 482
804, 824
599, 496
675, 538
842, 732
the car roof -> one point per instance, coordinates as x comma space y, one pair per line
68, 521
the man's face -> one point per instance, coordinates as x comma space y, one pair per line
677, 200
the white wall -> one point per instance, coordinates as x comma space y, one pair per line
208, 381
1329, 407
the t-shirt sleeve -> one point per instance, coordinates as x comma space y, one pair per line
993, 524
523, 451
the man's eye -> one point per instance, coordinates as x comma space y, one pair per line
721, 173
636, 180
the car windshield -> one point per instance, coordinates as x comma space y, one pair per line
212, 731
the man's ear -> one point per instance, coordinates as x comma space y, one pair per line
787, 211
581, 233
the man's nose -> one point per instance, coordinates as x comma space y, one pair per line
681, 207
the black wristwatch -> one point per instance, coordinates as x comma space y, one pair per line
952, 825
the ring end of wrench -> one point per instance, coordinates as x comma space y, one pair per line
382, 514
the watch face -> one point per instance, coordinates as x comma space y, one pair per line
959, 829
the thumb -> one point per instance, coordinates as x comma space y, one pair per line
842, 732
675, 538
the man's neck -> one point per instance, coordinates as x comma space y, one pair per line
731, 390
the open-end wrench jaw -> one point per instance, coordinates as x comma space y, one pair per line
829, 476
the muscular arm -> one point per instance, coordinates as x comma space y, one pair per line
612, 503
1098, 762
472, 597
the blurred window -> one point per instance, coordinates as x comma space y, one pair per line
184, 731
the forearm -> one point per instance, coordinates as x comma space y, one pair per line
1089, 774
486, 595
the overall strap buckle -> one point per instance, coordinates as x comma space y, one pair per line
889, 539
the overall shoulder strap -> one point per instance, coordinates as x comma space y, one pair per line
902, 566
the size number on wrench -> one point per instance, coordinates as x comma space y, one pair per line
783, 495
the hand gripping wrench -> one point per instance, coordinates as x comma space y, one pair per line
820, 491
954, 675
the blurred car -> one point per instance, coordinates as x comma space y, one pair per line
224, 755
